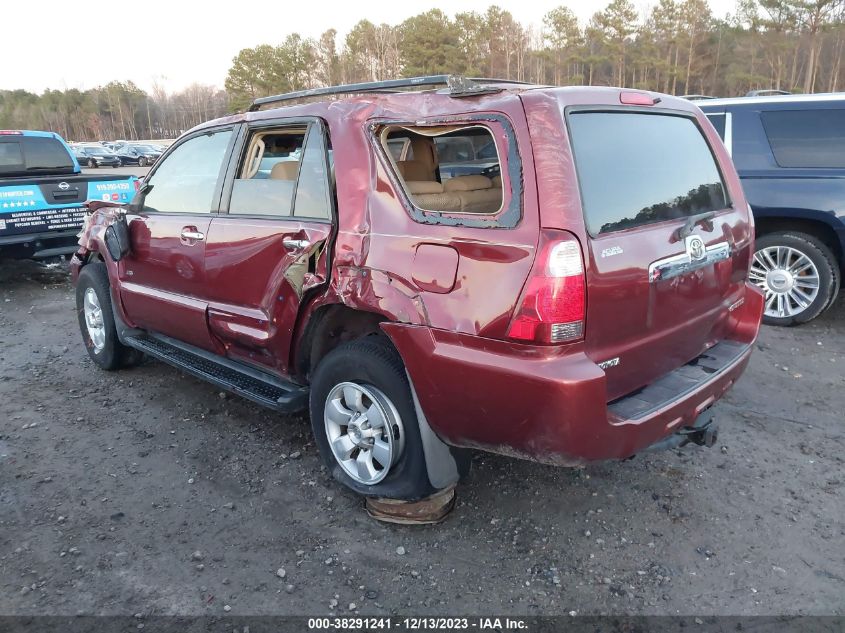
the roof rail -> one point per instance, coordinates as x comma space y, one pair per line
766, 93
458, 85
697, 97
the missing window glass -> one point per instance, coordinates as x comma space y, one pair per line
447, 169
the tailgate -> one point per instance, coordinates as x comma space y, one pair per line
39, 205
667, 249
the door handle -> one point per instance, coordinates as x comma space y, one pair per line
293, 245
190, 233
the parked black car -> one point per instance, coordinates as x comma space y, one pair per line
790, 154
141, 155
93, 156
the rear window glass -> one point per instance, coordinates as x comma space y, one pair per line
25, 154
806, 138
10, 154
637, 169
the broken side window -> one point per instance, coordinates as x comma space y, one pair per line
447, 169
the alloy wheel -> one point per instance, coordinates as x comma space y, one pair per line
364, 430
788, 277
94, 320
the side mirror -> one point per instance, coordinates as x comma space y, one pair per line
116, 238
137, 204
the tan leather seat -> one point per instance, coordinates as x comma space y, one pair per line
285, 170
497, 181
415, 170
429, 195
476, 192
420, 187
423, 165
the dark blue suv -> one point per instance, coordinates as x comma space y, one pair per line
790, 154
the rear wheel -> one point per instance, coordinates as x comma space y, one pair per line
96, 321
365, 424
798, 274
142, 162
92, 162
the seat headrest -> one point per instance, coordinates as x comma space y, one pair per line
415, 170
285, 170
419, 187
467, 183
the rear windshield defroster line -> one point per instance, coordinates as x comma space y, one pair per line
636, 169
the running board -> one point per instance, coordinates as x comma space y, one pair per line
244, 381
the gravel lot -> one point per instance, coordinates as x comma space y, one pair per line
146, 491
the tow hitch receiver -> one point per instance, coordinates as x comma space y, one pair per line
704, 432
703, 435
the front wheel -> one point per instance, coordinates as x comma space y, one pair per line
365, 423
798, 274
96, 321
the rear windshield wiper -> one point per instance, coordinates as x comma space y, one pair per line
692, 221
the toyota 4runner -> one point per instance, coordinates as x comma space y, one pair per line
579, 293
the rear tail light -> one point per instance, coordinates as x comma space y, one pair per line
11, 132
554, 300
137, 185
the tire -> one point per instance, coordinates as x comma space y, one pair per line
142, 162
107, 352
376, 368
92, 163
799, 275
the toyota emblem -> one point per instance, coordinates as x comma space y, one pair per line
695, 248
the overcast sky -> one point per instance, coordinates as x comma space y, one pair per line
60, 44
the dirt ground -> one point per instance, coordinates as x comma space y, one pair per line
147, 492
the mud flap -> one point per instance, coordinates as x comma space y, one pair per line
440, 464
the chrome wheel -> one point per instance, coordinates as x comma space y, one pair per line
94, 319
789, 278
364, 430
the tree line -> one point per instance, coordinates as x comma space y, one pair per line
676, 46
119, 110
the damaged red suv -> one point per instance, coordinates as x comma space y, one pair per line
557, 274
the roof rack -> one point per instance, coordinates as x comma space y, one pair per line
458, 86
766, 93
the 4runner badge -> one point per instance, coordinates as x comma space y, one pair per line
607, 364
695, 248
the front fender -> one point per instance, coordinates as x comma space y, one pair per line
92, 247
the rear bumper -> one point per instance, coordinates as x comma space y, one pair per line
40, 245
550, 404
